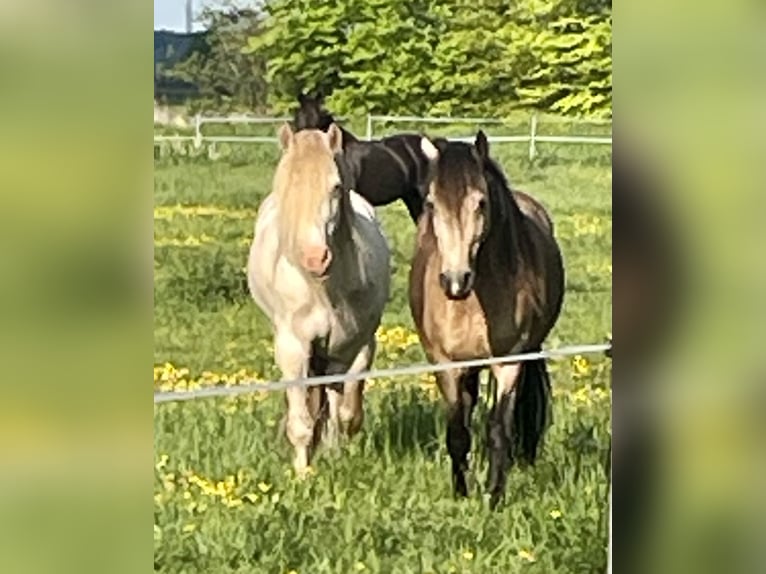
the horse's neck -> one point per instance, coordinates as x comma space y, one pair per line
508, 231
344, 237
348, 137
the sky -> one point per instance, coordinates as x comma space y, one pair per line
171, 14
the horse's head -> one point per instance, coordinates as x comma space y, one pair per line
457, 204
311, 114
310, 183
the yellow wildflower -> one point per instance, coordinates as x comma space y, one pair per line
264, 487
190, 528
526, 555
555, 514
580, 366
359, 566
468, 555
251, 496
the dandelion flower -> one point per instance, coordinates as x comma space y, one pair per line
468, 555
580, 365
526, 555
555, 514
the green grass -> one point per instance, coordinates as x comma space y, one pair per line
383, 502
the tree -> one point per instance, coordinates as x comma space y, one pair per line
304, 45
226, 77
439, 57
568, 50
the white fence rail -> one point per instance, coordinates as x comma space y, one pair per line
531, 138
410, 370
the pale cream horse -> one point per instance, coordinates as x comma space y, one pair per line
319, 268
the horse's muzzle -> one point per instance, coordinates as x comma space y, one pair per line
316, 259
456, 284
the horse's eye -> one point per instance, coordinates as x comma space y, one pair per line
429, 205
338, 189
482, 204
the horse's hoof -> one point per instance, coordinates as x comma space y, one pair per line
494, 500
305, 472
460, 487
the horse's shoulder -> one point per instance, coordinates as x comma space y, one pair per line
266, 210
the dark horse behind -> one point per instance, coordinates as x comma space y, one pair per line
390, 168
385, 170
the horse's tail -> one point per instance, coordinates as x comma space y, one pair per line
532, 410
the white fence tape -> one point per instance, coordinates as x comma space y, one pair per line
256, 387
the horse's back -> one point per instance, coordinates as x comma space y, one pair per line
533, 209
388, 169
361, 206
377, 252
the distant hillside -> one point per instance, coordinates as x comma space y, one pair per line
169, 49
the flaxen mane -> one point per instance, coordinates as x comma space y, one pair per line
300, 184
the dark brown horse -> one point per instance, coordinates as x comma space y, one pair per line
387, 169
487, 280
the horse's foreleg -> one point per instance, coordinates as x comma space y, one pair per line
292, 357
500, 428
351, 411
334, 399
460, 400
414, 203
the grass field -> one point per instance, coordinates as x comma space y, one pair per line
224, 498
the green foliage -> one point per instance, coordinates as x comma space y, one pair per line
568, 46
461, 57
304, 45
227, 78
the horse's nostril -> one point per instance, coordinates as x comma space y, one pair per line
456, 283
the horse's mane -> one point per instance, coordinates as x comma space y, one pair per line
295, 187
506, 217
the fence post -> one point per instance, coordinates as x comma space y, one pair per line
197, 131
609, 541
369, 127
532, 135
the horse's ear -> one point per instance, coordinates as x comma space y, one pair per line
301, 98
335, 138
482, 145
285, 136
319, 96
429, 149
